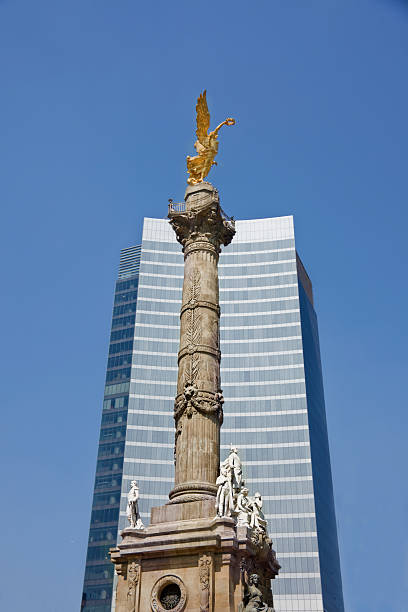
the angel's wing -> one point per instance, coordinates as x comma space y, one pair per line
203, 118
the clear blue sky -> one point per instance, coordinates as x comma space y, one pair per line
97, 112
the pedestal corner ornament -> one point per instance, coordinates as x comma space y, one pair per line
208, 548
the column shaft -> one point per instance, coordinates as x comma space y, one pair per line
201, 228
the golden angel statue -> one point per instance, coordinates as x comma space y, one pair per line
206, 144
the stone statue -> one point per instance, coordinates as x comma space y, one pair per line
229, 483
132, 510
257, 517
233, 500
243, 508
253, 598
224, 503
235, 465
206, 144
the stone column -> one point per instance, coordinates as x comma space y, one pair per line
201, 227
204, 561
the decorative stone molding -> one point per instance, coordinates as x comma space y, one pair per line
133, 577
202, 348
200, 304
194, 490
158, 605
259, 537
202, 245
189, 497
120, 567
205, 566
195, 400
202, 224
247, 565
204, 563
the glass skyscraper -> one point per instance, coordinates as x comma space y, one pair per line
274, 408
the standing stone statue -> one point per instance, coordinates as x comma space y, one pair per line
229, 483
132, 510
225, 501
234, 463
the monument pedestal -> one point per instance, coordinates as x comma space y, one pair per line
198, 564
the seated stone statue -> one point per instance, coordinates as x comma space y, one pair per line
243, 508
257, 520
253, 598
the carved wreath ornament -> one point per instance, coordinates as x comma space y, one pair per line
194, 400
169, 593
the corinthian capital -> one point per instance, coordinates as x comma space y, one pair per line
200, 222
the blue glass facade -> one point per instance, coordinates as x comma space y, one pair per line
98, 580
274, 405
319, 444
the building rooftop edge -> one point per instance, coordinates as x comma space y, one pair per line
236, 220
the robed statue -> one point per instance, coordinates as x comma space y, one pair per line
206, 144
132, 509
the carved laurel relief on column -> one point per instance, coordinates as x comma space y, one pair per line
193, 331
192, 338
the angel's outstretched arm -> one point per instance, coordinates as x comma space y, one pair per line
228, 121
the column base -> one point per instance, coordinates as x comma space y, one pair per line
192, 491
188, 510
